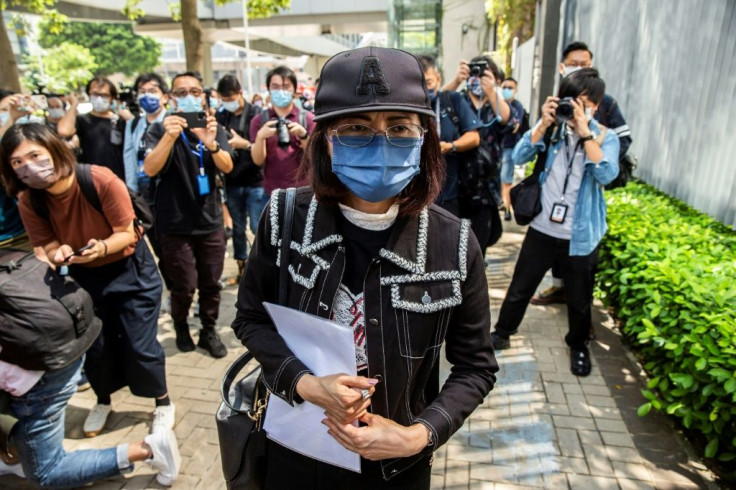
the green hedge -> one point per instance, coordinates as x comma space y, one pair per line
669, 273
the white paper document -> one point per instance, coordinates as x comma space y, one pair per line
326, 348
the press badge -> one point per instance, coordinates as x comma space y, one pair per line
116, 137
203, 182
559, 212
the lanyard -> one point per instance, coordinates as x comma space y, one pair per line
496, 118
200, 153
570, 159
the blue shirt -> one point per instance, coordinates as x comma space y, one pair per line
133, 145
589, 219
467, 121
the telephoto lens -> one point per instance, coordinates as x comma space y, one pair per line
282, 129
565, 110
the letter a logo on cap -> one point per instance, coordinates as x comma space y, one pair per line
372, 79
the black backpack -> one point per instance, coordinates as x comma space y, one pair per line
47, 321
143, 214
476, 167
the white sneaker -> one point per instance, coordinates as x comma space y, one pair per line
164, 417
11, 469
95, 421
166, 458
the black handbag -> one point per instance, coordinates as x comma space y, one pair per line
240, 415
526, 196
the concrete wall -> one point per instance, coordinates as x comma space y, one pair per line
673, 71
523, 72
457, 44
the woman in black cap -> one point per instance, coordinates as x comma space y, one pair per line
369, 251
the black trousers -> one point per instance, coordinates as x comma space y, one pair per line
288, 469
538, 252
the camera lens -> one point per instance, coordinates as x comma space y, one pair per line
564, 111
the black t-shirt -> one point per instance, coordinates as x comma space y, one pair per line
180, 209
245, 173
101, 142
361, 246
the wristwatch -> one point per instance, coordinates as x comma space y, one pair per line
454, 148
217, 148
591, 136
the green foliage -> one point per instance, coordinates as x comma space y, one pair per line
515, 19
115, 47
52, 18
668, 271
67, 67
256, 8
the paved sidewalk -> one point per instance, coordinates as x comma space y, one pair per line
540, 427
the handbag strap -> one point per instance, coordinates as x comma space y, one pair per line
286, 244
230, 375
542, 156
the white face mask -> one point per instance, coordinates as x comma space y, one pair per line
100, 104
4, 117
57, 113
566, 70
589, 113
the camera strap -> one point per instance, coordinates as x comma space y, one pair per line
200, 153
570, 160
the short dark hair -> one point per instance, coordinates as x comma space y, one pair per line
497, 72
228, 86
585, 81
144, 78
420, 193
102, 81
284, 72
5, 93
576, 46
509, 79
41, 134
193, 74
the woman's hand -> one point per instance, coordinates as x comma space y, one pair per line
548, 112
579, 119
380, 438
338, 394
65, 254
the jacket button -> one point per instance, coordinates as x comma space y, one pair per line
378, 376
373, 321
283, 392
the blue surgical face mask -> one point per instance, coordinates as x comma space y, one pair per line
214, 102
189, 103
231, 106
149, 103
474, 86
281, 98
432, 94
377, 171
507, 93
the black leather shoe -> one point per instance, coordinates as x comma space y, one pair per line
499, 343
580, 361
210, 341
184, 340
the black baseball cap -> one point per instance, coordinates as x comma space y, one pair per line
371, 79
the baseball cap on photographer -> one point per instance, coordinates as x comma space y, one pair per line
371, 79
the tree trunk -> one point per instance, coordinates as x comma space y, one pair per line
192, 35
9, 78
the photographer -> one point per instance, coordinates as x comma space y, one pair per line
279, 135
188, 211
582, 157
101, 131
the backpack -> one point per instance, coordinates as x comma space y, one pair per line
143, 215
47, 321
476, 167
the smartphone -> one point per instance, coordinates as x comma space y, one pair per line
40, 101
194, 119
79, 252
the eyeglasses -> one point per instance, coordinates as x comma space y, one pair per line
358, 135
182, 92
152, 91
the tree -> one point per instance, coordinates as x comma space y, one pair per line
8, 67
115, 47
191, 29
66, 68
515, 19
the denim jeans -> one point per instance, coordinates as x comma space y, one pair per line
39, 434
244, 203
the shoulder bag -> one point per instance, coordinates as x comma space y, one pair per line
526, 196
240, 415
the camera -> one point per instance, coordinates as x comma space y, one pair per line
129, 98
478, 68
565, 110
282, 130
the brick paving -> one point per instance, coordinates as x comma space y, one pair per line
540, 427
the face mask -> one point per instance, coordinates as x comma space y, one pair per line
474, 86
377, 171
214, 103
38, 174
258, 103
189, 103
566, 70
149, 103
231, 106
589, 113
4, 118
56, 113
100, 104
432, 94
507, 93
281, 98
